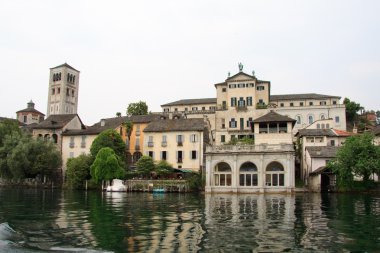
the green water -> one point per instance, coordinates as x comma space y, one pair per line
65, 221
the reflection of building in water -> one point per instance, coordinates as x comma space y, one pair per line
172, 228
261, 222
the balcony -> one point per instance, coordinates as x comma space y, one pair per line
150, 144
241, 108
164, 144
83, 145
179, 160
282, 147
179, 143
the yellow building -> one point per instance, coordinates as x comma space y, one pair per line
180, 142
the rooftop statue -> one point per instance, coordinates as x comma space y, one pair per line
240, 67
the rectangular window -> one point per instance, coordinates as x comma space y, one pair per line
72, 141
137, 144
291, 104
193, 154
194, 108
311, 103
203, 108
233, 123
67, 92
337, 119
179, 156
322, 103
71, 154
241, 102
25, 118
150, 153
59, 90
224, 105
222, 138
249, 101
164, 155
223, 123
301, 103
233, 101
261, 101
72, 93
180, 140
281, 104
83, 142
193, 138
53, 91
332, 142
249, 122
298, 119
224, 89
260, 87
334, 102
150, 141
186, 109
176, 109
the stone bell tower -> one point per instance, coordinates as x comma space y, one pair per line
63, 90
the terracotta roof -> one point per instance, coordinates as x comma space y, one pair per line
113, 123
56, 121
192, 101
273, 117
65, 65
323, 151
376, 130
32, 110
342, 133
171, 125
300, 96
316, 132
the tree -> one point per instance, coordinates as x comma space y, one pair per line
106, 166
118, 114
163, 168
8, 127
351, 109
111, 139
78, 170
358, 156
139, 108
28, 157
145, 165
129, 127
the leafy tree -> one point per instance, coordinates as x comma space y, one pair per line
139, 108
8, 127
78, 170
163, 168
145, 165
28, 157
111, 139
129, 127
358, 156
118, 114
352, 109
106, 166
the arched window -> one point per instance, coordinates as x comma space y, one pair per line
298, 118
311, 119
55, 138
323, 126
53, 77
59, 76
222, 174
248, 174
275, 175
323, 116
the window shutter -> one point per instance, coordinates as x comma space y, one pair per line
161, 155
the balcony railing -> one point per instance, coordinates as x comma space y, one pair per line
150, 144
250, 148
179, 143
83, 145
164, 144
241, 108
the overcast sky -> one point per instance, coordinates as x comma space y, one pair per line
162, 51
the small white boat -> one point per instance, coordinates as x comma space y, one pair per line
117, 186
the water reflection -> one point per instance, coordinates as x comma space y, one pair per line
139, 222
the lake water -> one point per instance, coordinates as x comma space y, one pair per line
67, 221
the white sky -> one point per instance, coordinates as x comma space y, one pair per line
166, 50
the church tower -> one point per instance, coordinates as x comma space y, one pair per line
63, 90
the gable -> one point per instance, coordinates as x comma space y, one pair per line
241, 76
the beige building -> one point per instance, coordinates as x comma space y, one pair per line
30, 115
242, 98
63, 90
322, 140
266, 166
178, 141
53, 127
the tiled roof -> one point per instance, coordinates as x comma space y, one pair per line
192, 101
113, 123
342, 133
376, 130
56, 121
171, 125
273, 117
32, 110
65, 65
322, 152
300, 96
316, 132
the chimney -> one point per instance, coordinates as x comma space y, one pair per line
102, 122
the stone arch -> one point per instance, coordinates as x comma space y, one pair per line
248, 175
46, 137
55, 138
322, 116
274, 174
222, 174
